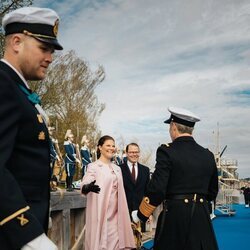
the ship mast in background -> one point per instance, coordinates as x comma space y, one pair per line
228, 179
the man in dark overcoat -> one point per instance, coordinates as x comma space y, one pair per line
185, 180
30, 40
135, 183
246, 193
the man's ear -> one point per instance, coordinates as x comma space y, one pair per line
16, 42
175, 129
174, 126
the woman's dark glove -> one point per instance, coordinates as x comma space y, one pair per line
91, 187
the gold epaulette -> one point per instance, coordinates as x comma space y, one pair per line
146, 208
166, 145
20, 212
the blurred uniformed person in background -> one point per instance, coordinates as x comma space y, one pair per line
55, 158
70, 159
30, 40
55, 154
85, 154
185, 180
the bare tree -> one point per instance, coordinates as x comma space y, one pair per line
5, 7
68, 96
146, 158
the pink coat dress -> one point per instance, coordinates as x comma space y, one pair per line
108, 226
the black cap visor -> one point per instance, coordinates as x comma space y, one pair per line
42, 32
52, 42
176, 119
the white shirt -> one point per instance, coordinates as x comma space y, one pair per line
130, 165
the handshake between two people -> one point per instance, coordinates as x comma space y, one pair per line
91, 187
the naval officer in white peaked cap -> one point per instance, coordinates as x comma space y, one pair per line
30, 41
182, 116
185, 180
40, 23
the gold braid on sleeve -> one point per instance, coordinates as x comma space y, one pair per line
146, 208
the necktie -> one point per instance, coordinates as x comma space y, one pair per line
133, 172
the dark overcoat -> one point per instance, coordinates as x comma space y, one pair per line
182, 167
134, 190
24, 165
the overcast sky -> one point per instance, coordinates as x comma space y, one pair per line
193, 54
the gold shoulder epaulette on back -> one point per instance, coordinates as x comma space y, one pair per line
166, 144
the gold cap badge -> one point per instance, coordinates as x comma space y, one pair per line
55, 28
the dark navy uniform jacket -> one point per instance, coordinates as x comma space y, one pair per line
135, 190
70, 150
24, 165
182, 167
86, 156
53, 153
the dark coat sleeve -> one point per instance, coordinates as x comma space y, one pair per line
147, 178
213, 185
156, 189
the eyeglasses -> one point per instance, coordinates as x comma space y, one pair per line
133, 152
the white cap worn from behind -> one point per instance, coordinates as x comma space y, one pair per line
182, 116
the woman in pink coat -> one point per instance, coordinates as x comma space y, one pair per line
108, 226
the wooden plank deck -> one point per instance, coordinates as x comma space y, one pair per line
68, 218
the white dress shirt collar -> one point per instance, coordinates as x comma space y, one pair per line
130, 165
19, 74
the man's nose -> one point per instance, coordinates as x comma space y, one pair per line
49, 57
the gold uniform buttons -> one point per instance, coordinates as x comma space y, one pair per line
41, 136
39, 118
186, 200
201, 200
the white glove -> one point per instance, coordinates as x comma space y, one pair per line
42, 242
134, 216
78, 161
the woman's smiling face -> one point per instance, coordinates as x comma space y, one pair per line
107, 150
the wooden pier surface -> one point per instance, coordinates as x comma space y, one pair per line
68, 218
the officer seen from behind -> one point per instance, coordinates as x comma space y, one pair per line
185, 178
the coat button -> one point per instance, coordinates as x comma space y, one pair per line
186, 200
